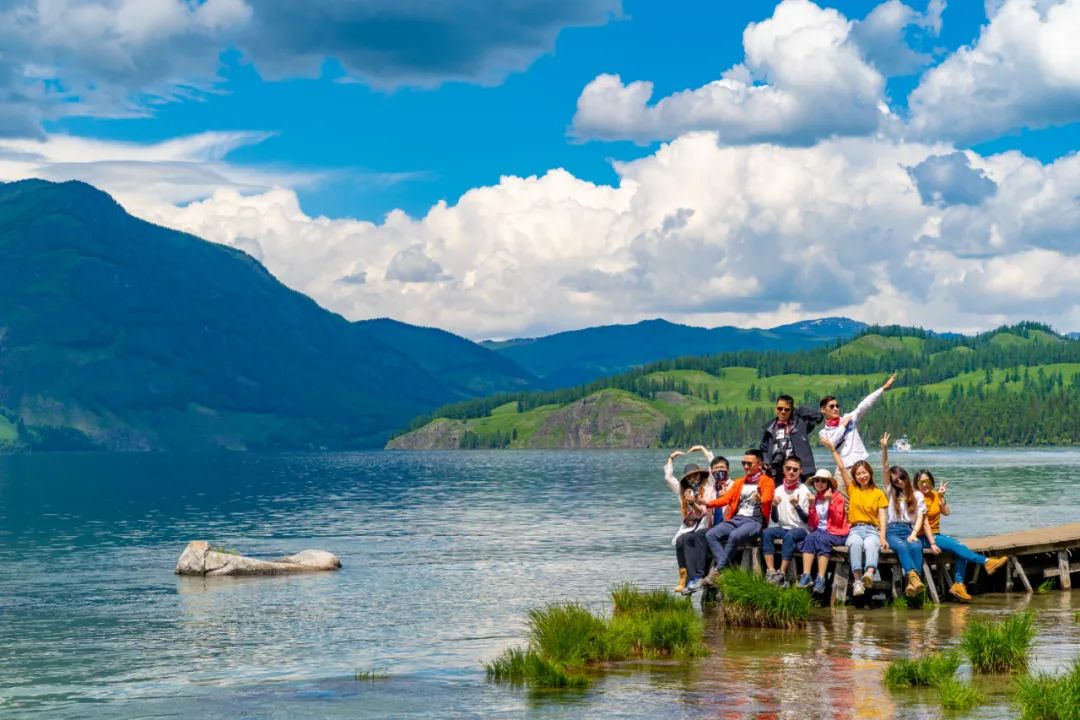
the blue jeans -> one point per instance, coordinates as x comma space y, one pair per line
724, 537
790, 537
909, 553
863, 537
963, 554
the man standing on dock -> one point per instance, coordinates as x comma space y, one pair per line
789, 435
843, 431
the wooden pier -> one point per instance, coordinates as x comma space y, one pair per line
1035, 556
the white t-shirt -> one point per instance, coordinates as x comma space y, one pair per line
785, 511
902, 515
748, 506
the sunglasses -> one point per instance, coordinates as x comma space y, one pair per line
833, 406
783, 409
746, 464
792, 469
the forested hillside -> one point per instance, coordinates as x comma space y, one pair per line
1015, 385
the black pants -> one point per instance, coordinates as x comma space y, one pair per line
693, 553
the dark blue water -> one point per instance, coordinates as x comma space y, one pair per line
443, 555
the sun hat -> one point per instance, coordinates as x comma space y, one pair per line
693, 469
825, 474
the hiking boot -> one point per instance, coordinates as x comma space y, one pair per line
710, 579
994, 563
819, 586
959, 592
805, 581
857, 589
683, 577
693, 586
914, 584
868, 579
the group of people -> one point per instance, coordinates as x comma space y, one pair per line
783, 497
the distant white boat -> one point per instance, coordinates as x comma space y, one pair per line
902, 445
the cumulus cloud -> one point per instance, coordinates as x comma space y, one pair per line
950, 180
803, 78
118, 58
1022, 72
883, 36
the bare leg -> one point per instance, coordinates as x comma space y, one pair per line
822, 565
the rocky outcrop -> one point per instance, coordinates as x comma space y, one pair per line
607, 419
200, 559
441, 434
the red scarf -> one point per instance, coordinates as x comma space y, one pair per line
832, 422
792, 486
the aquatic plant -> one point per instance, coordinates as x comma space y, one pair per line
569, 634
999, 647
525, 666
929, 671
372, 674
748, 600
958, 696
628, 598
1045, 586
1045, 697
900, 602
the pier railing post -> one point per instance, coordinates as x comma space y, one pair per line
1063, 566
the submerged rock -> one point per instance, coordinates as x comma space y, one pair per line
200, 559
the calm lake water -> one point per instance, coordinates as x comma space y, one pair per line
443, 555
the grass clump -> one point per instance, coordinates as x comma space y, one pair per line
525, 666
999, 647
930, 671
957, 696
1045, 697
748, 600
372, 674
566, 638
1045, 586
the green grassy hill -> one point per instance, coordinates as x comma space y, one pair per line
1017, 385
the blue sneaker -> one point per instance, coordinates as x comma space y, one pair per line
693, 586
819, 586
805, 581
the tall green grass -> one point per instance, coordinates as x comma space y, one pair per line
748, 600
566, 638
957, 696
930, 671
999, 647
1045, 697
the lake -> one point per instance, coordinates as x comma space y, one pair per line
443, 554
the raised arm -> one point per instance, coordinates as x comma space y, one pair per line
845, 478
810, 415
869, 400
885, 464
704, 451
669, 472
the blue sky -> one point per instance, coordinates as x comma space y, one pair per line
501, 169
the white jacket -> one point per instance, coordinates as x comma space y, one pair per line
851, 449
706, 496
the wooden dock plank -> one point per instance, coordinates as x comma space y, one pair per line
1059, 537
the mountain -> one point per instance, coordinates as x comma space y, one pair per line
1012, 386
579, 356
116, 333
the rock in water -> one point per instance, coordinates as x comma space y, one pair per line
199, 559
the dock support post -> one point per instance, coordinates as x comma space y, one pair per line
897, 571
1020, 571
1008, 577
755, 561
943, 576
1063, 566
840, 584
931, 585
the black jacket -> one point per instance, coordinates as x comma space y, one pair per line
803, 421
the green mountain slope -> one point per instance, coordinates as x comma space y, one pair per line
1017, 385
116, 333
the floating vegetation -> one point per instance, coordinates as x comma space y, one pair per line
900, 602
748, 600
930, 671
372, 674
1046, 697
999, 647
567, 638
957, 696
1045, 586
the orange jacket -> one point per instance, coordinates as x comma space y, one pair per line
734, 493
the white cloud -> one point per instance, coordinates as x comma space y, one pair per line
803, 78
1022, 72
883, 35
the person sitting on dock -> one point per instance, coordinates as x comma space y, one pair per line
696, 487
790, 510
906, 515
867, 517
743, 517
788, 435
843, 431
829, 526
936, 506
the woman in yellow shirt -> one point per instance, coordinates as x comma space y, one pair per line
936, 506
866, 512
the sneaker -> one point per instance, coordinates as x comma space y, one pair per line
774, 577
710, 579
819, 586
994, 563
693, 586
914, 584
805, 581
959, 592
868, 579
857, 589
